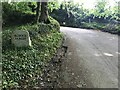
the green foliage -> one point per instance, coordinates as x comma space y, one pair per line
75, 15
54, 23
53, 5
17, 12
100, 7
16, 6
107, 27
112, 28
65, 14
22, 66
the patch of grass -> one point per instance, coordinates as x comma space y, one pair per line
22, 66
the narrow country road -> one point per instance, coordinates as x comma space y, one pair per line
91, 60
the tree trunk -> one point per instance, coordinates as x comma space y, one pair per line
37, 12
44, 12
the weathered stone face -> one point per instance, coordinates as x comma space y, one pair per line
21, 38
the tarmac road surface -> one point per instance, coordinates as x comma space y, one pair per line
91, 60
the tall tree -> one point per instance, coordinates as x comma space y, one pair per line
44, 12
37, 12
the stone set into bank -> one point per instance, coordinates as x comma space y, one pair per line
21, 38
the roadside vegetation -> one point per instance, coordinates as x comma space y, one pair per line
22, 66
103, 17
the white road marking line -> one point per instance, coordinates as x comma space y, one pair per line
108, 54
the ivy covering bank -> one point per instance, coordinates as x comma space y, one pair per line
22, 66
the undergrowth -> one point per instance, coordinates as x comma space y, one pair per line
22, 66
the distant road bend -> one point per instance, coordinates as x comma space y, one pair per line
92, 59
